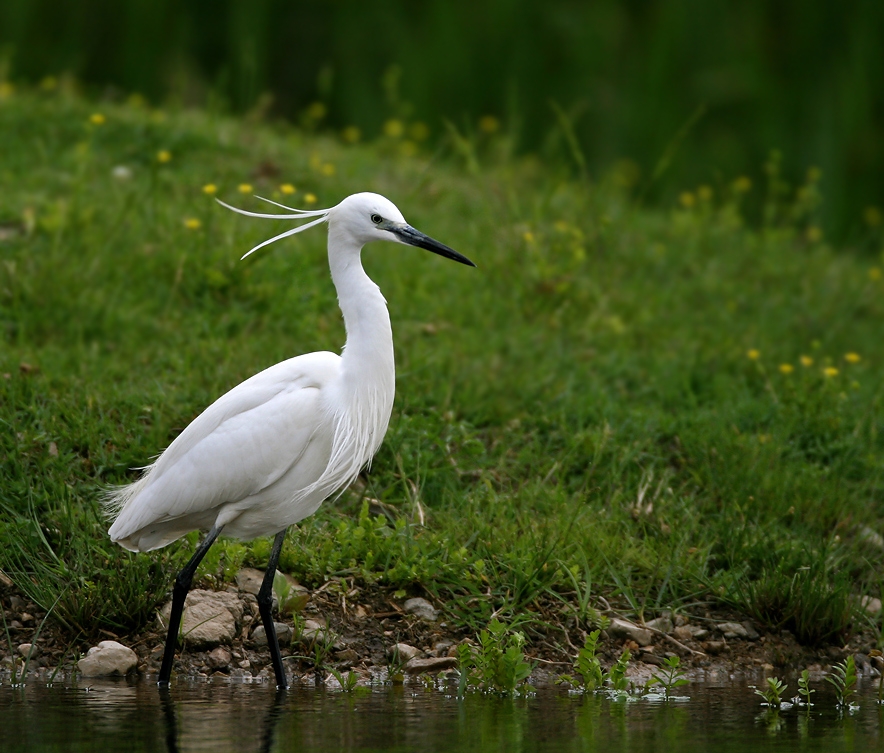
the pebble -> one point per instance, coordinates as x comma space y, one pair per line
26, 648
738, 630
622, 629
405, 652
348, 657
421, 608
283, 634
108, 658
312, 632
682, 633
220, 658
416, 666
715, 647
249, 580
663, 624
210, 617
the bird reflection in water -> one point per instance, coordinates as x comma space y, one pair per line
271, 720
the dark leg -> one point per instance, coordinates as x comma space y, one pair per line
265, 607
179, 594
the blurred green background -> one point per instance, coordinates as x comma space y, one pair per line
802, 76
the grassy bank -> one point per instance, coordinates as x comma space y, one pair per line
668, 410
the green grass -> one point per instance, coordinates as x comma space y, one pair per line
579, 415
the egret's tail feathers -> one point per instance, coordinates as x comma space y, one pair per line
114, 499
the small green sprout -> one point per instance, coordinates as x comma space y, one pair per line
773, 691
498, 664
669, 677
804, 690
843, 679
348, 682
587, 666
616, 677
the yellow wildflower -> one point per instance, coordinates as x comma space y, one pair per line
97, 119
48, 83
210, 189
742, 184
872, 216
830, 371
687, 199
351, 134
394, 128
814, 234
316, 111
419, 131
309, 199
489, 124
164, 155
192, 223
852, 357
787, 368
136, 101
328, 169
875, 273
6, 89
528, 236
752, 354
704, 193
288, 189
245, 188
806, 361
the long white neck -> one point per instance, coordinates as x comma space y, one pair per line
368, 366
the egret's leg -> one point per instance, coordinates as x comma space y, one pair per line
265, 607
179, 594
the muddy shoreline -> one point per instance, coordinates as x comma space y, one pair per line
359, 629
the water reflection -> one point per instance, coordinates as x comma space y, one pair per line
268, 728
136, 716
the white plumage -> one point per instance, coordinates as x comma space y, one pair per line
266, 454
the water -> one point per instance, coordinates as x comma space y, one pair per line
134, 716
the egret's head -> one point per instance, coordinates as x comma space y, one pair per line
371, 217
364, 217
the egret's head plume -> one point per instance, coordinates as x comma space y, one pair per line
297, 214
363, 217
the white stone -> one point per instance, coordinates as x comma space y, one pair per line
663, 624
249, 580
622, 629
210, 618
421, 608
314, 631
733, 630
283, 634
108, 658
405, 652
434, 664
872, 537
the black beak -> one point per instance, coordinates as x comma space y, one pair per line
407, 234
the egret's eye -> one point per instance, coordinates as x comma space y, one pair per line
377, 219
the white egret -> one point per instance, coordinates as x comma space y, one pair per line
266, 454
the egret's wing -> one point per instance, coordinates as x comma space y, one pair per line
239, 445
